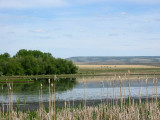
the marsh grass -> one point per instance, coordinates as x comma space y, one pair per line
115, 109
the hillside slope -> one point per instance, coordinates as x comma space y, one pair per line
117, 60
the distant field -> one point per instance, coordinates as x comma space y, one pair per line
114, 66
117, 69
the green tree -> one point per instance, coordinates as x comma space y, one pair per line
33, 62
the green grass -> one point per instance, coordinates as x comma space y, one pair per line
120, 70
18, 80
86, 72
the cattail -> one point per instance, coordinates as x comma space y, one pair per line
102, 97
147, 91
107, 93
50, 116
139, 91
49, 80
156, 89
129, 89
113, 92
153, 89
54, 97
55, 77
121, 92
84, 83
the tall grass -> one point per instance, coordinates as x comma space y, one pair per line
118, 109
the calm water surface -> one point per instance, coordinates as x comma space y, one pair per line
74, 89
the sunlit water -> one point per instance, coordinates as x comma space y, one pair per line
71, 89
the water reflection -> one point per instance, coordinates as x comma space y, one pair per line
73, 89
29, 91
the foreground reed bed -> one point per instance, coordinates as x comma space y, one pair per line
114, 109
150, 111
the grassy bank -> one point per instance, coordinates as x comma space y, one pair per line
93, 70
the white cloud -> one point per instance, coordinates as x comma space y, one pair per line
38, 31
123, 13
31, 3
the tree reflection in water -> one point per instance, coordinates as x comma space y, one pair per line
61, 85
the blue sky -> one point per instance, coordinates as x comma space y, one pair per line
69, 28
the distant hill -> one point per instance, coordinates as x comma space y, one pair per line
117, 60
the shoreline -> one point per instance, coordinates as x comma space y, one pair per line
21, 79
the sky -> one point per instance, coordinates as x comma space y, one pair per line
67, 28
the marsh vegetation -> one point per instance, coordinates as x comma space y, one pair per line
117, 99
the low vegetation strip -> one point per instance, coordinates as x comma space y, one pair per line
114, 66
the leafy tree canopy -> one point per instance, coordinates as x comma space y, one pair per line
34, 62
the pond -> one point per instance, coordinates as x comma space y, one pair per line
90, 88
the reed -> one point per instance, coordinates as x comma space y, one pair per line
105, 111
121, 93
84, 83
50, 113
156, 89
146, 90
2, 101
55, 97
139, 90
129, 88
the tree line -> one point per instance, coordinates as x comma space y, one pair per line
34, 62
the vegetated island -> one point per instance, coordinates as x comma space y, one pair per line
34, 62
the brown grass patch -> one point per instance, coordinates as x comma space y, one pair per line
114, 66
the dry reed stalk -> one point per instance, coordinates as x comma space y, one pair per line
111, 101
117, 96
50, 114
55, 97
107, 93
113, 92
10, 101
156, 89
102, 99
101, 102
103, 91
139, 90
72, 103
39, 106
153, 89
41, 99
52, 106
121, 92
40, 113
129, 88
65, 109
147, 91
84, 83
11, 91
124, 96
2, 101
